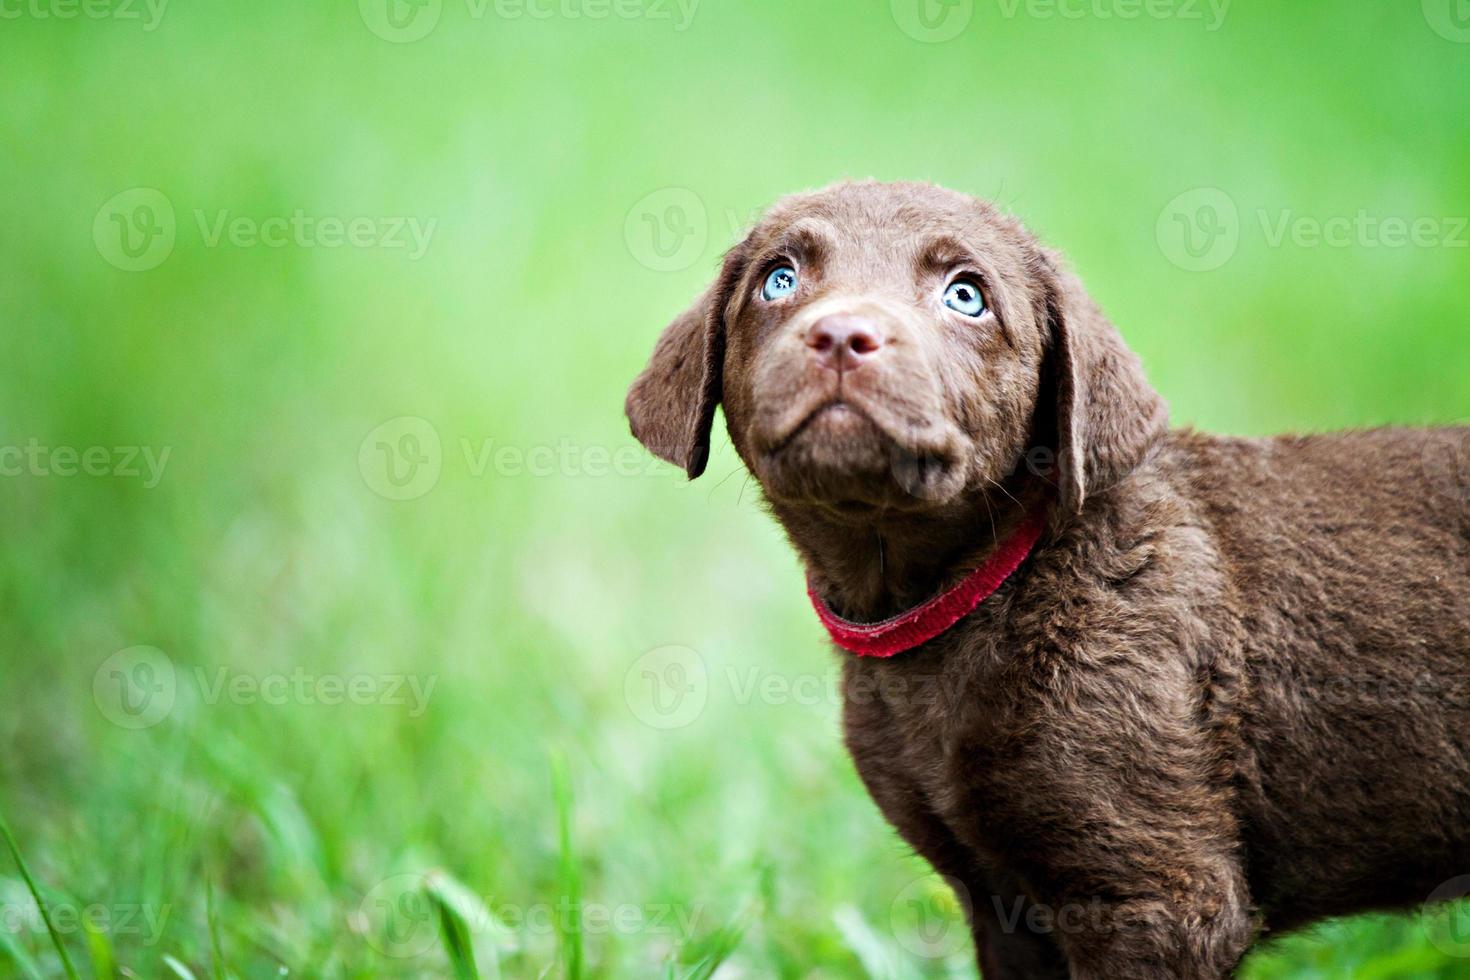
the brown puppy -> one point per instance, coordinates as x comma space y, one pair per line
1227, 688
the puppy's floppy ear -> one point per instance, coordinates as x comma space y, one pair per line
671, 405
1108, 415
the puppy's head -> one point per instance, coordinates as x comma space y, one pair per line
895, 347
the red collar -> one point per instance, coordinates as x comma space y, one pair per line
924, 622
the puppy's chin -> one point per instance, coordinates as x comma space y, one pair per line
841, 461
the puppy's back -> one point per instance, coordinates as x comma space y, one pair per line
1349, 558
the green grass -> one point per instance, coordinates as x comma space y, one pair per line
539, 804
40, 904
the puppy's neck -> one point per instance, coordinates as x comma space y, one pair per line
873, 569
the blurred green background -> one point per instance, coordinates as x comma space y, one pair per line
329, 563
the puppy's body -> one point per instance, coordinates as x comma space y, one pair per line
1241, 683
1348, 571
1227, 690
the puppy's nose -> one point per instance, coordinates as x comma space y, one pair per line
844, 341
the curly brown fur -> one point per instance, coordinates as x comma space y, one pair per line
1226, 693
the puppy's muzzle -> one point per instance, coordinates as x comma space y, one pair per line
844, 342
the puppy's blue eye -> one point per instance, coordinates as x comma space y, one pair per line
781, 282
963, 296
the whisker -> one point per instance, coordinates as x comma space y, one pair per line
745, 483
1003, 490
994, 537
723, 480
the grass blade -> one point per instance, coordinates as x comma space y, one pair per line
714, 949
879, 958
217, 968
180, 970
99, 948
25, 873
22, 959
458, 942
569, 872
